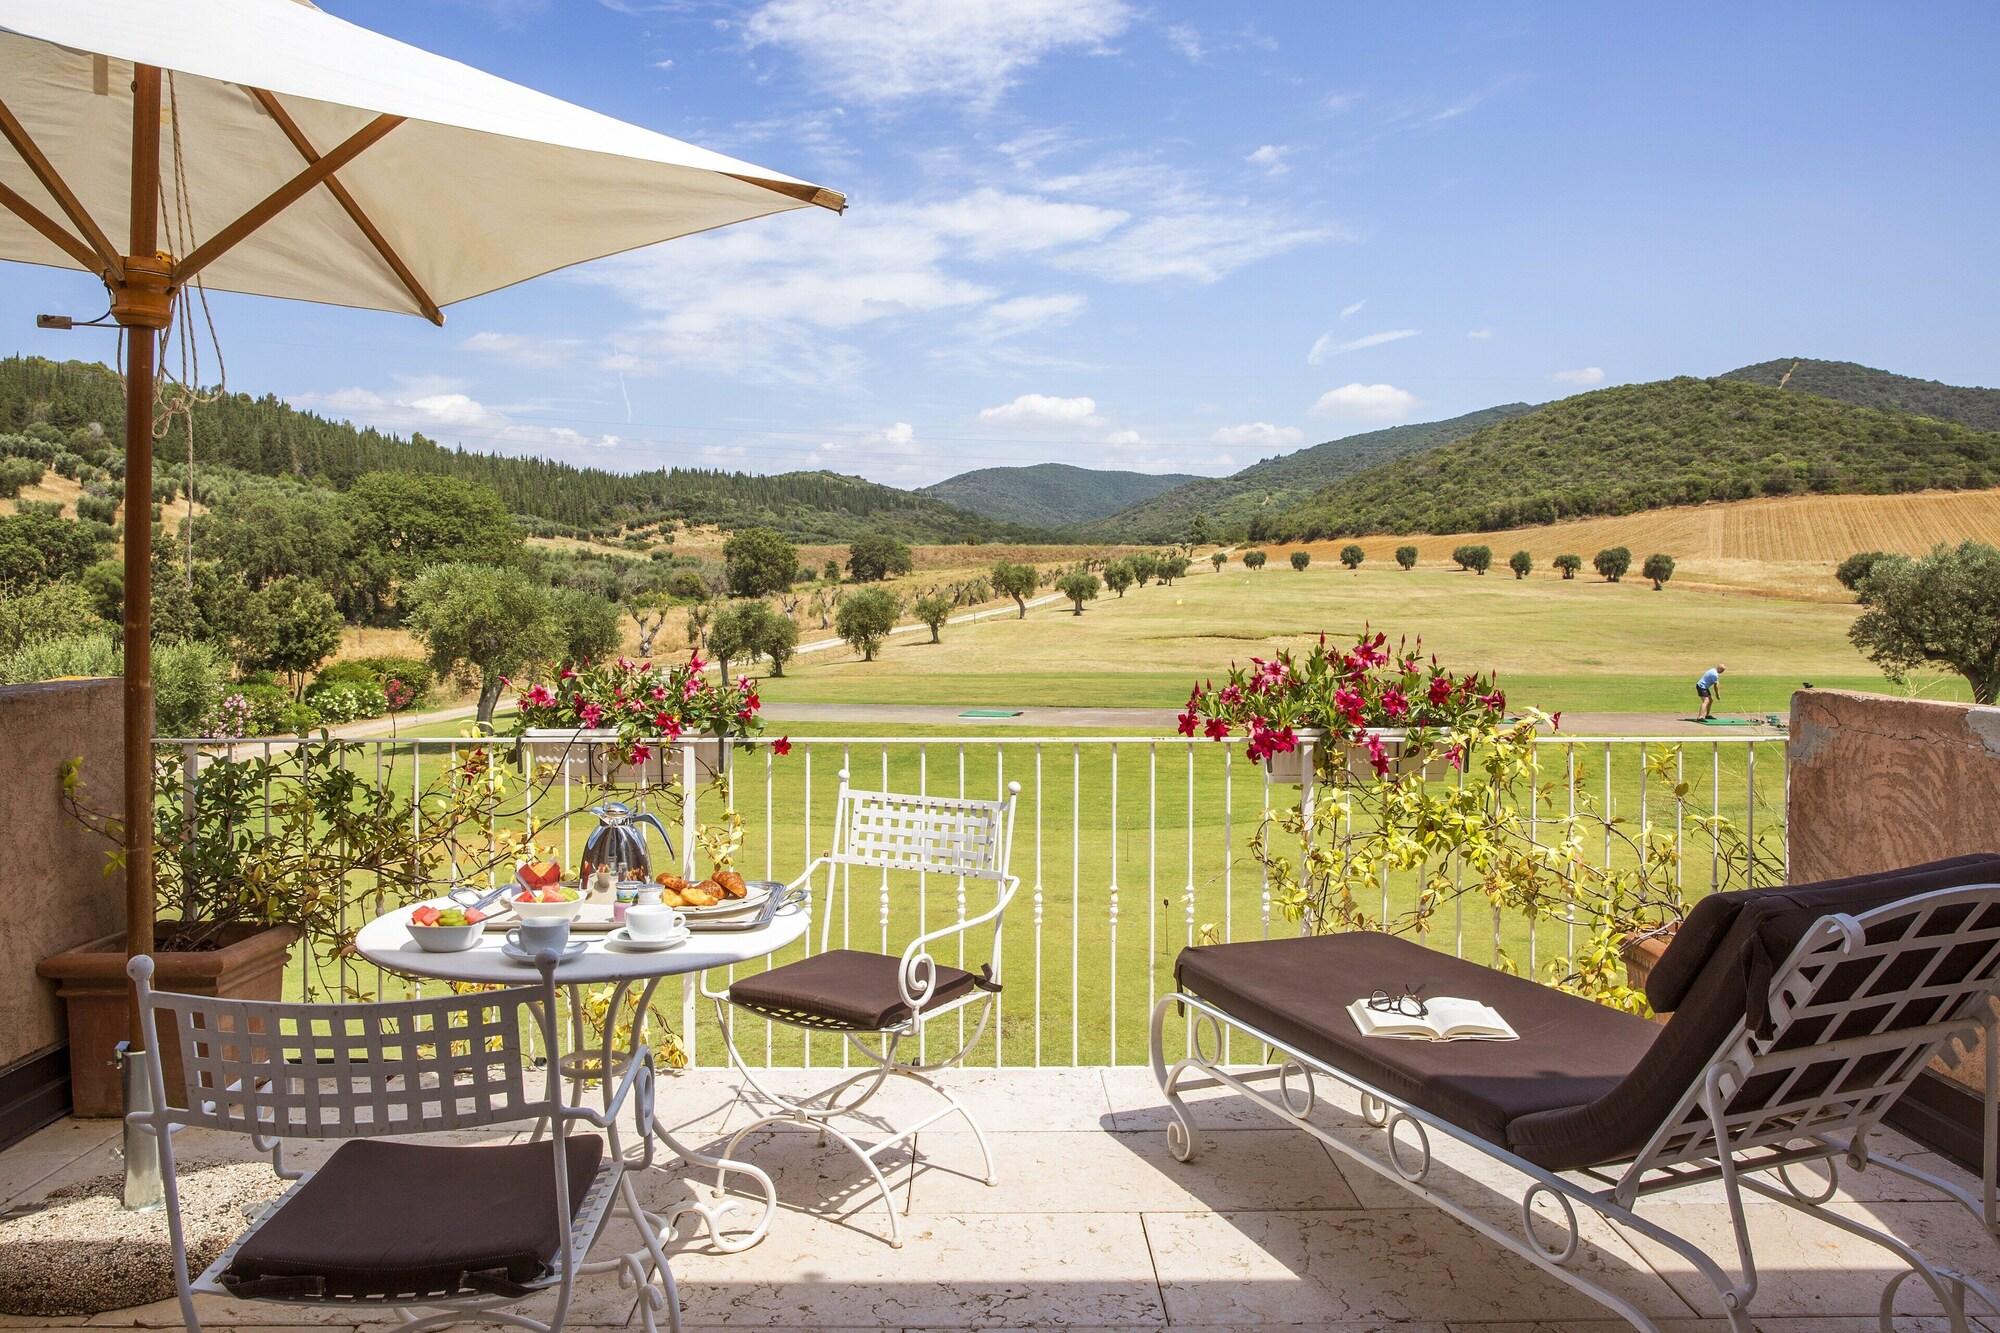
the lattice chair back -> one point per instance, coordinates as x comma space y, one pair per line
1854, 1015
952, 836
354, 1070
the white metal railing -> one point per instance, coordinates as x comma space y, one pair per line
1128, 848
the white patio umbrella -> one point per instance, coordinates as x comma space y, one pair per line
293, 154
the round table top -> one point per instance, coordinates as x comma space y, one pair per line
386, 941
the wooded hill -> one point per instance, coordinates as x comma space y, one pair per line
1865, 386
1050, 495
268, 436
1642, 446
1245, 503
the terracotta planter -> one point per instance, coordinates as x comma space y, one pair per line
1642, 955
91, 982
585, 755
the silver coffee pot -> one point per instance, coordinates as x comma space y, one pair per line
619, 842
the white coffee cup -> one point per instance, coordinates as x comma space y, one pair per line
651, 922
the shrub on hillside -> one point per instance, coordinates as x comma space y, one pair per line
1612, 562
1406, 557
17, 474
97, 508
56, 658
1520, 562
1658, 568
1300, 559
50, 611
1568, 562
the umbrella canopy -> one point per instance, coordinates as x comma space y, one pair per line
453, 182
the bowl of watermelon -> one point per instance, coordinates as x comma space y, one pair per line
444, 926
549, 903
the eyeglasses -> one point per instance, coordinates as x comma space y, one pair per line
1405, 1003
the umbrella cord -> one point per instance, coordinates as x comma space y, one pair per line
178, 223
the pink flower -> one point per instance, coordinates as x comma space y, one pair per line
1395, 703
672, 728
753, 703
1378, 758
695, 663
661, 720
641, 753
567, 674
1556, 720
539, 697
592, 715
1455, 756
1349, 703
658, 691
1217, 729
1231, 695
1495, 701
1440, 691
781, 746
1186, 722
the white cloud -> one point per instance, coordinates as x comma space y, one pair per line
1271, 157
1375, 404
992, 222
1184, 38
1258, 435
1324, 346
1124, 438
1479, 333
1201, 244
447, 412
1585, 375
1024, 314
523, 349
1041, 407
881, 51
1342, 101
1350, 311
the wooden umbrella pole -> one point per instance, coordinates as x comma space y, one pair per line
142, 302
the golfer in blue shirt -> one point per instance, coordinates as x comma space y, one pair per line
1709, 686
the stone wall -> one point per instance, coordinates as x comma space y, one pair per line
57, 894
1878, 781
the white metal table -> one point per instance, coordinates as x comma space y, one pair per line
387, 942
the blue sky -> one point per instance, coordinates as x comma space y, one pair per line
1182, 237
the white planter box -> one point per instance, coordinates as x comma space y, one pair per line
586, 755
1290, 767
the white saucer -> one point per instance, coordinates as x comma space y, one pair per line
622, 938
572, 950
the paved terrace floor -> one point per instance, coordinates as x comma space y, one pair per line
1095, 1226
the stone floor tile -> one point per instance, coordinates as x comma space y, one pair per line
1258, 1268
25, 1165
1808, 1269
1137, 1104
1047, 1269
1004, 1100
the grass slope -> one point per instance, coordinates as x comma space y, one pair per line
1865, 386
1235, 503
1643, 446
1050, 495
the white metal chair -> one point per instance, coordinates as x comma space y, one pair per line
890, 997
454, 1230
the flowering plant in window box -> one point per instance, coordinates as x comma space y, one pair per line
1362, 708
616, 717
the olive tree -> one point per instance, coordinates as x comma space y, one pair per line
1118, 576
1254, 559
1171, 567
1658, 568
1568, 562
1520, 562
933, 609
779, 642
305, 628
1351, 555
1479, 559
1612, 562
485, 618
865, 619
1219, 559
1080, 586
738, 632
1855, 568
1300, 559
1015, 581
759, 562
1144, 564
1406, 557
1942, 609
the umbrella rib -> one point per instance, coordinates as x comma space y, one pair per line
832, 200
50, 228
284, 196
283, 118
106, 256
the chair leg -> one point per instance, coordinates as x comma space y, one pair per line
826, 1131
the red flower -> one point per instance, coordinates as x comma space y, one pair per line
641, 753
1217, 729
1378, 758
661, 720
1394, 702
592, 715
1556, 720
567, 674
1440, 692
658, 691
753, 703
781, 746
1187, 723
1455, 756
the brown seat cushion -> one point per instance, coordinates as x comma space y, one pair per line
383, 1218
1731, 974
1571, 1050
849, 989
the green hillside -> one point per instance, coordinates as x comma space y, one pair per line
1865, 386
267, 436
1641, 446
1244, 503
1050, 495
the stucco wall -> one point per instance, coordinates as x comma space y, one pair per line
1879, 782
57, 894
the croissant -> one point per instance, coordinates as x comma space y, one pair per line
670, 882
731, 883
671, 898
705, 894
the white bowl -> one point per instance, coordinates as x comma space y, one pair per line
445, 939
545, 911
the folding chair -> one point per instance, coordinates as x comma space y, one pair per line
890, 997
410, 1227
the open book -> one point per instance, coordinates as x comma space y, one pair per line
1448, 1020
